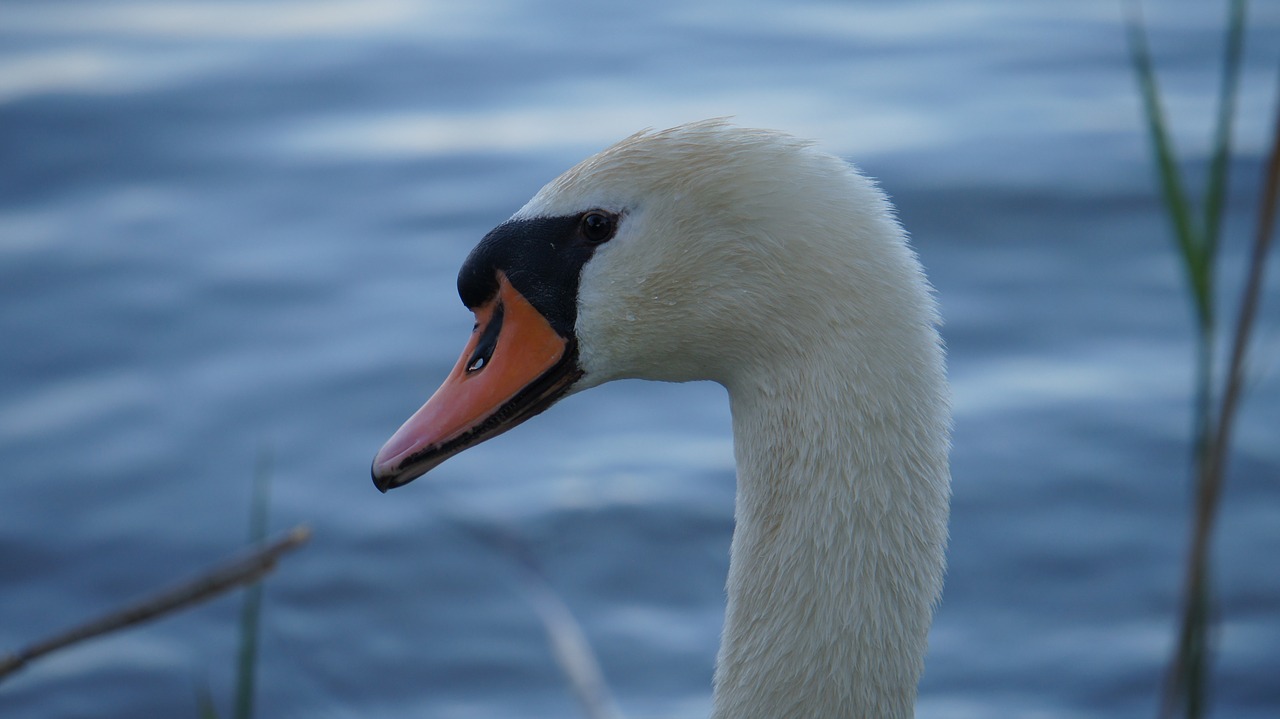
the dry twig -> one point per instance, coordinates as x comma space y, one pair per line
237, 572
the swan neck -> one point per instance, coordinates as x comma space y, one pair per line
837, 554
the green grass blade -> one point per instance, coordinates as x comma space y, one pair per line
246, 664
251, 610
204, 702
1190, 245
261, 497
1216, 190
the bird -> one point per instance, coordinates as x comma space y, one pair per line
754, 259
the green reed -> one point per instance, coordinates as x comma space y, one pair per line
250, 610
1197, 230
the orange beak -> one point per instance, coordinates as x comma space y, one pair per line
514, 367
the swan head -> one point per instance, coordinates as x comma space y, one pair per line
703, 252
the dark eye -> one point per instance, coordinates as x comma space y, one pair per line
598, 227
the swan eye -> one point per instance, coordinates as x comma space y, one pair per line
598, 226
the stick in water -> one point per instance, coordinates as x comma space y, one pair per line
243, 570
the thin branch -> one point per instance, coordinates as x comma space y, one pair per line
569, 644
1215, 464
240, 571
1213, 468
1249, 301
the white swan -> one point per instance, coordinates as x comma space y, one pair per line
746, 257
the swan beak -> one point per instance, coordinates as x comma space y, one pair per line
514, 367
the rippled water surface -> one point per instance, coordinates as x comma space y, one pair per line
230, 230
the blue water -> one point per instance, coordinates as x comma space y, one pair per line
230, 231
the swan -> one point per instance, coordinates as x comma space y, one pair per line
749, 258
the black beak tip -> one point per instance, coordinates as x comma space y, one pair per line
384, 482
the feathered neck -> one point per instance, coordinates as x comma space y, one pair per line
754, 260
837, 556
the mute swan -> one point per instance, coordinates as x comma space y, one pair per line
749, 258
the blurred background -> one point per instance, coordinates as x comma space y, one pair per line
231, 230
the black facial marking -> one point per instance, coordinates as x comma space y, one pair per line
542, 257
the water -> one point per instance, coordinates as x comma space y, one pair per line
229, 230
